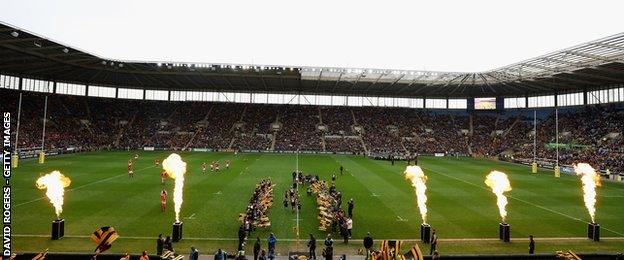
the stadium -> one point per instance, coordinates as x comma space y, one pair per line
475, 162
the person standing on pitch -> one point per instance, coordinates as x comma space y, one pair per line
434, 242
220, 255
241, 237
272, 241
350, 208
163, 176
160, 242
130, 169
168, 243
349, 226
256, 248
341, 169
312, 246
163, 200
531, 245
368, 244
329, 242
328, 252
194, 254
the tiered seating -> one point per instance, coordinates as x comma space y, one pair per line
593, 133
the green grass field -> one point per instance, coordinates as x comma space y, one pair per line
461, 207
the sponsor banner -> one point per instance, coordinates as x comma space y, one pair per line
148, 148
201, 150
438, 154
567, 169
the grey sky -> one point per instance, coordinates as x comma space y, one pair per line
443, 35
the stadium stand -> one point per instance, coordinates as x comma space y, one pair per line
589, 133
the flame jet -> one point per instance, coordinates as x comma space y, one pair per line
416, 175
55, 184
176, 168
590, 180
499, 183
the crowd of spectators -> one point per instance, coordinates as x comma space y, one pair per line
591, 134
298, 129
340, 134
254, 130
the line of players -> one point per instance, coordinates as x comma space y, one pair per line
214, 167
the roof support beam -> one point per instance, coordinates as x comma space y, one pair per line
17, 40
576, 80
393, 83
610, 46
374, 82
338, 81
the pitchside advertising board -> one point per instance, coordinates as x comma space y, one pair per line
6, 189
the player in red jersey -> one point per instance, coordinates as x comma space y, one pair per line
163, 176
163, 200
130, 169
157, 162
204, 166
217, 166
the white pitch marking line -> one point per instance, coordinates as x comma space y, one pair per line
191, 217
375, 195
527, 202
218, 193
91, 183
400, 219
84, 185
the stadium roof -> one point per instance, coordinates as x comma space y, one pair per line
590, 65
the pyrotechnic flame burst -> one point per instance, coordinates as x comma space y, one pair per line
55, 184
416, 175
176, 168
590, 180
499, 183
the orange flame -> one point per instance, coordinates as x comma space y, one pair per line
499, 183
416, 175
55, 184
590, 180
176, 168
